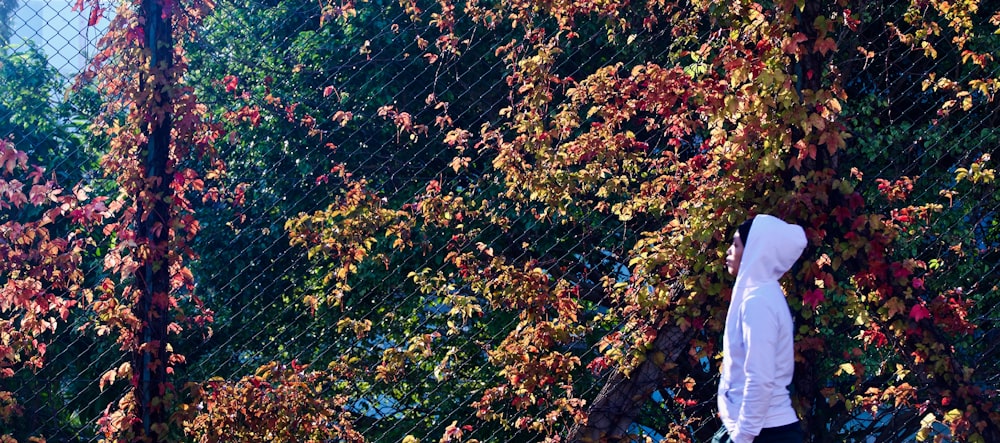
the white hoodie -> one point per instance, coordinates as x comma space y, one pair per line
758, 355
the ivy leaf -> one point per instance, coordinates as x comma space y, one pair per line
825, 45
895, 306
813, 298
95, 16
919, 312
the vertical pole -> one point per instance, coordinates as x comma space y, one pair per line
149, 361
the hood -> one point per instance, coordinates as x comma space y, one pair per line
771, 250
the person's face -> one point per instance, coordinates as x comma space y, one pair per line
734, 255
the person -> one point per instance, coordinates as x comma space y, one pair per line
758, 354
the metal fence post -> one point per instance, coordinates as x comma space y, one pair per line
149, 359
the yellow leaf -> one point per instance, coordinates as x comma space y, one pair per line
928, 421
929, 50
960, 174
846, 367
923, 434
952, 415
834, 105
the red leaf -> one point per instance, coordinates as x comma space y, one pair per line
842, 214
231, 82
899, 271
825, 46
813, 298
791, 45
95, 15
134, 34
919, 312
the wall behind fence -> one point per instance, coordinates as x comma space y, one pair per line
437, 221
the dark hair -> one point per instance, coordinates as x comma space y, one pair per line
744, 230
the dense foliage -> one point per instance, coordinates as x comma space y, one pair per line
505, 221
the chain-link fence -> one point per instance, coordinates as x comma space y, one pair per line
359, 175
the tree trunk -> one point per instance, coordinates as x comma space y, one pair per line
621, 398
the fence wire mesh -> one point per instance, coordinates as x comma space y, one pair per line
302, 94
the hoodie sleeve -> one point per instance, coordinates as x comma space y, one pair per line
760, 333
